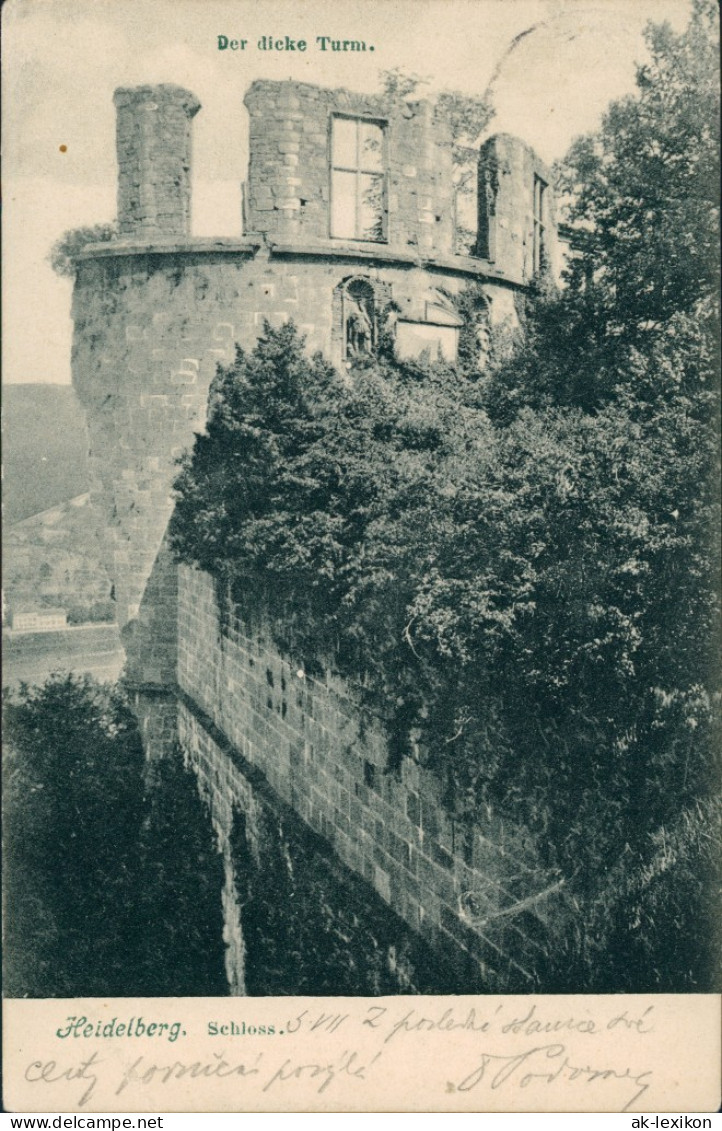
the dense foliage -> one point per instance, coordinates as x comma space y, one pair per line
110, 873
521, 574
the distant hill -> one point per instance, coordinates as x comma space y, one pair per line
44, 449
52, 560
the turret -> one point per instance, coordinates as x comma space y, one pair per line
154, 160
517, 227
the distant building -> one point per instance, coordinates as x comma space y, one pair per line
40, 620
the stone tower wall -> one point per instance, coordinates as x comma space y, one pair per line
153, 140
507, 168
288, 189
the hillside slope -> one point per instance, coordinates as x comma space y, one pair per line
44, 449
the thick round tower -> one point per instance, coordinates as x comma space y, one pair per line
349, 214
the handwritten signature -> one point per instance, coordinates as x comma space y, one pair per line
523, 1068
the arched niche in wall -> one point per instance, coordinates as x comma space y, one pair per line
359, 318
358, 304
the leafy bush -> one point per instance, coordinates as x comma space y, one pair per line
64, 252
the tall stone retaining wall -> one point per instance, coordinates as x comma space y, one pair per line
296, 919
478, 896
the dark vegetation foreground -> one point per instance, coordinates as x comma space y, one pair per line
520, 569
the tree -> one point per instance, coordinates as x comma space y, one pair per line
625, 360
64, 252
646, 185
73, 809
643, 203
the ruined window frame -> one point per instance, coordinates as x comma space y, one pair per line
359, 171
441, 317
539, 224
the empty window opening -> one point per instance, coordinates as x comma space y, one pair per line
358, 179
540, 249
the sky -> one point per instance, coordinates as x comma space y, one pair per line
62, 60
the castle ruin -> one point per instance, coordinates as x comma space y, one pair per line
349, 229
